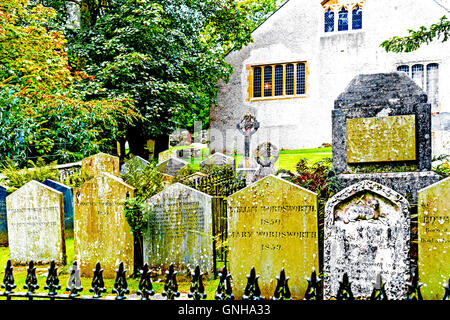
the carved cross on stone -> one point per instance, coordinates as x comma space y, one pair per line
248, 126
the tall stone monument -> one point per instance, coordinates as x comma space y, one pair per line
35, 215
179, 229
382, 132
434, 238
101, 231
272, 224
248, 166
366, 233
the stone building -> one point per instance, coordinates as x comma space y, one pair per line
306, 53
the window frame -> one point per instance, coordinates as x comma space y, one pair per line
284, 81
336, 6
425, 75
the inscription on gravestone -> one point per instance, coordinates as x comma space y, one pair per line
272, 224
35, 218
101, 232
381, 139
434, 238
179, 229
367, 232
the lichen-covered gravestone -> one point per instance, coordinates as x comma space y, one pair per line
36, 224
367, 232
272, 224
142, 164
179, 229
381, 127
218, 159
171, 166
68, 204
100, 162
101, 232
3, 223
434, 239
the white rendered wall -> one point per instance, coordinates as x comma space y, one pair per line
296, 33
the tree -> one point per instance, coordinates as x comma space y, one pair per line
40, 113
417, 38
165, 55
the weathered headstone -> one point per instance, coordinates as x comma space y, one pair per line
35, 216
101, 231
434, 239
171, 166
248, 166
196, 175
142, 161
3, 221
272, 224
179, 229
382, 132
266, 154
218, 159
367, 232
166, 155
100, 162
68, 204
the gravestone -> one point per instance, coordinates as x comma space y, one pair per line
166, 155
35, 215
179, 229
171, 166
381, 131
100, 162
434, 238
68, 205
142, 164
101, 232
367, 232
3, 221
196, 175
218, 159
266, 154
272, 224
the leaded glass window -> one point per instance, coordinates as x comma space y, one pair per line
257, 82
433, 85
278, 80
357, 18
405, 69
343, 20
267, 81
289, 82
329, 21
417, 74
301, 78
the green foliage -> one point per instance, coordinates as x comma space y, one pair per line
77, 178
443, 167
166, 55
148, 182
40, 114
15, 177
417, 38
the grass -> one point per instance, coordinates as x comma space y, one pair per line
287, 160
63, 275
